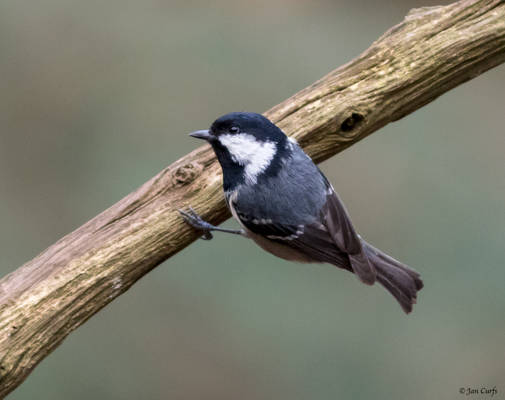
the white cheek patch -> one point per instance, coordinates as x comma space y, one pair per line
253, 154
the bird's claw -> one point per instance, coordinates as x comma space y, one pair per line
193, 219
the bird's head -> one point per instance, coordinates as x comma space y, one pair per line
247, 145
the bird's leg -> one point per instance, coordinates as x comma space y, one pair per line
193, 219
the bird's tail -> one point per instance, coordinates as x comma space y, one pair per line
401, 281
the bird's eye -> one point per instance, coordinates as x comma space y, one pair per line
234, 129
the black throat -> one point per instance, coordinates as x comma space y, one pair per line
233, 173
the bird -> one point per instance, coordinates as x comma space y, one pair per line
286, 205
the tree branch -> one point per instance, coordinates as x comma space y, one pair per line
433, 50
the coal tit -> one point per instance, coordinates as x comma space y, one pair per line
287, 206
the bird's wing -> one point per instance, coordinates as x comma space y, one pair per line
336, 219
312, 239
330, 237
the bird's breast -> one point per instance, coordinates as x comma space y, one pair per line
231, 197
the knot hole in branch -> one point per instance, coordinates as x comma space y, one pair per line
186, 173
351, 123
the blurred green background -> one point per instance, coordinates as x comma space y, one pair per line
97, 97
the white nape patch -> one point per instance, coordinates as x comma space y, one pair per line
253, 154
291, 144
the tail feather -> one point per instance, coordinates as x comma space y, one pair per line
401, 281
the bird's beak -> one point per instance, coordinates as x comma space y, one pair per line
203, 134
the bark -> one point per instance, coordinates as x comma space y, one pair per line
433, 50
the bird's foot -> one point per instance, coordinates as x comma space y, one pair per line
193, 219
